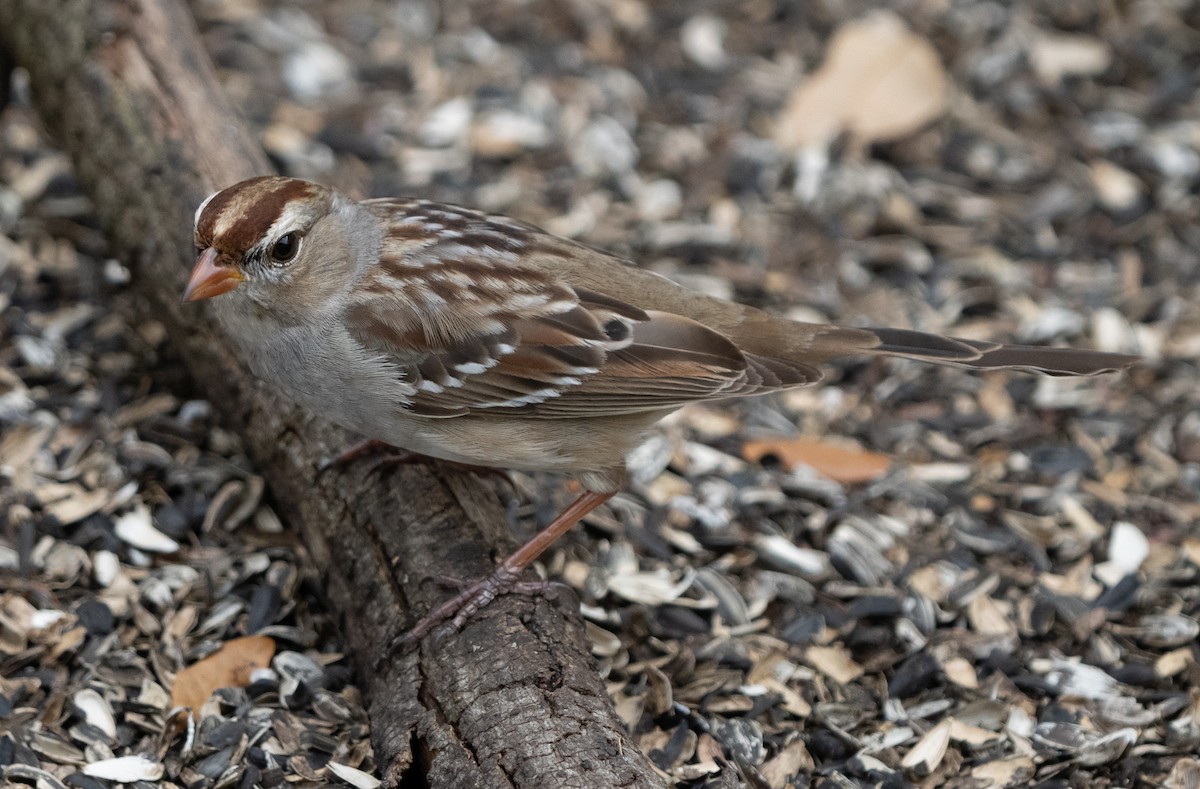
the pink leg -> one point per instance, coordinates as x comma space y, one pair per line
402, 457
460, 608
369, 446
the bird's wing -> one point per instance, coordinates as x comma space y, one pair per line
472, 329
578, 354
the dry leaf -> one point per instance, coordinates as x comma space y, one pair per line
834, 662
927, 754
708, 749
991, 617
68, 642
879, 81
835, 461
1014, 771
1173, 662
934, 580
971, 735
961, 672
790, 700
792, 761
630, 709
71, 503
20, 443
231, 665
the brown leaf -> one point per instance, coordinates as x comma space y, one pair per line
1010, 771
838, 462
231, 665
927, 754
792, 761
879, 81
71, 503
834, 662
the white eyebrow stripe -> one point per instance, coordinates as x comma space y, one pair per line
291, 217
202, 206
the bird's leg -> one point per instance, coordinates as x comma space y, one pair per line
474, 597
368, 446
394, 456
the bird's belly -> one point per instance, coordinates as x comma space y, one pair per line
515, 443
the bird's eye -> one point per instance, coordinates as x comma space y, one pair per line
285, 248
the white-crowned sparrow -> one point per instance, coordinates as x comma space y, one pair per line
480, 339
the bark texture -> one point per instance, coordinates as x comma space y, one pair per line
513, 700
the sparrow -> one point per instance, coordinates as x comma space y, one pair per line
480, 339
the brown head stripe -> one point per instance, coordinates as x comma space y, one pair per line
244, 212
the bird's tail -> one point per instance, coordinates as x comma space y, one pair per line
994, 356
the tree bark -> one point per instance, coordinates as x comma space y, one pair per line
511, 701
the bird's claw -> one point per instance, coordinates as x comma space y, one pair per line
449, 617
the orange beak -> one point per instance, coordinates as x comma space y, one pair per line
208, 279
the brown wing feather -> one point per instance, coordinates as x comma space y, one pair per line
533, 345
587, 353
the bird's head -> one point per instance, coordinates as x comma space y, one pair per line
289, 245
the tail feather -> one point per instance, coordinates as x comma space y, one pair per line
927, 347
1053, 361
993, 356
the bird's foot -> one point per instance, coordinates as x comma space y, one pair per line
457, 610
454, 613
527, 588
